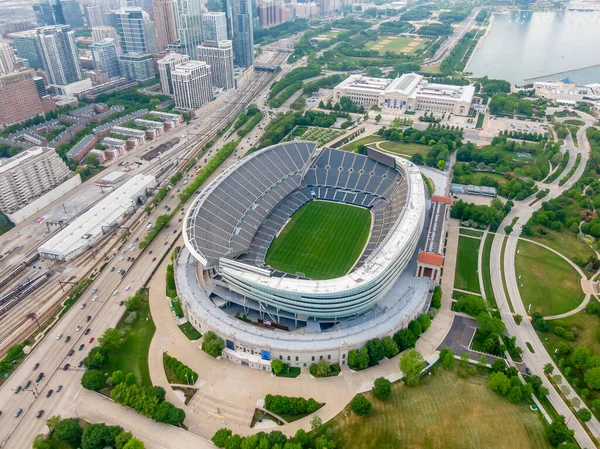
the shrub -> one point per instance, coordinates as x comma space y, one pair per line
584, 414
471, 305
375, 350
358, 359
93, 380
382, 388
288, 405
276, 366
462, 374
221, 436
390, 347
360, 405
212, 344
436, 299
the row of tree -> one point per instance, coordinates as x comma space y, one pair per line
522, 135
224, 438
295, 75
289, 405
94, 436
480, 213
185, 374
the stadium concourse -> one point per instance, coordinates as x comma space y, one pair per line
222, 276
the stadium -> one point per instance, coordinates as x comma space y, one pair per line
299, 254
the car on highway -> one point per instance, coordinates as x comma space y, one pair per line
81, 346
68, 339
36, 366
88, 318
123, 252
91, 339
80, 364
66, 367
116, 292
121, 303
83, 305
49, 393
120, 258
137, 239
128, 258
59, 336
39, 414
112, 269
132, 259
154, 259
71, 352
18, 389
95, 297
26, 385
78, 328
59, 388
94, 291
18, 412
132, 250
179, 220
174, 231
39, 377
87, 331
128, 288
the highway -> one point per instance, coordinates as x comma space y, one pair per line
104, 312
451, 42
525, 332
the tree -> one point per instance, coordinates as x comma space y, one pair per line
122, 439
592, 378
464, 358
447, 357
390, 347
580, 357
221, 436
548, 368
212, 344
117, 377
482, 362
322, 368
93, 379
95, 358
111, 340
134, 443
360, 405
499, 383
316, 422
169, 414
98, 436
375, 350
538, 322
235, 442
52, 422
382, 388
301, 437
471, 305
377, 118
92, 160
405, 339
276, 366
515, 395
68, 431
425, 321
411, 365
415, 327
130, 379
518, 319
558, 432
584, 414
358, 359
499, 366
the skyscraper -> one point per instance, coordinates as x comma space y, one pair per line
104, 32
129, 24
105, 57
43, 13
72, 13
190, 26
240, 18
165, 19
93, 15
59, 54
19, 99
7, 57
214, 26
137, 66
25, 44
192, 85
219, 56
165, 66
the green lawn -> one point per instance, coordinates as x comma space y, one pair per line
352, 146
396, 44
405, 149
566, 243
465, 277
485, 267
475, 178
132, 357
190, 331
548, 282
446, 412
323, 240
321, 135
471, 232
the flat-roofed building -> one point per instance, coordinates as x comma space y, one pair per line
166, 66
28, 175
19, 99
219, 56
410, 92
192, 85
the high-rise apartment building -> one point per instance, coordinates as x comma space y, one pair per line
7, 57
165, 66
93, 15
24, 42
137, 66
214, 26
28, 175
240, 13
270, 13
59, 54
19, 98
190, 26
129, 23
219, 56
72, 13
49, 12
106, 57
192, 85
106, 32
165, 19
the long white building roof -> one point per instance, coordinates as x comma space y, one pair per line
107, 212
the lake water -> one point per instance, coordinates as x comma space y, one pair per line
523, 44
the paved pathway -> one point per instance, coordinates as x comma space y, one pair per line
525, 332
480, 264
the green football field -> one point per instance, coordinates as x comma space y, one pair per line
323, 240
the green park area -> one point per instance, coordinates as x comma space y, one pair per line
321, 135
396, 44
567, 243
546, 281
398, 148
323, 240
425, 417
466, 264
353, 146
480, 178
132, 356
